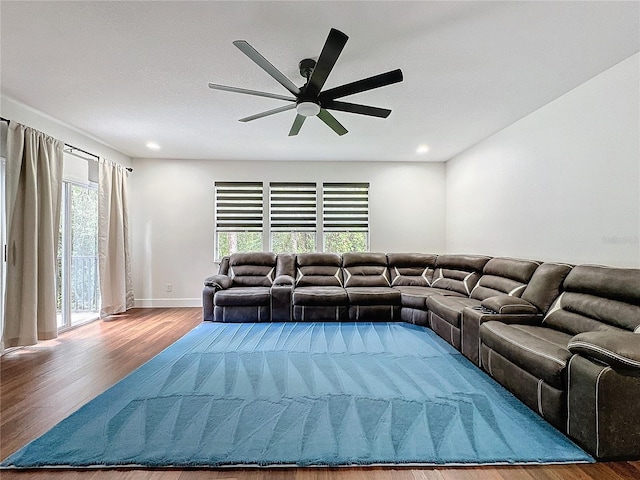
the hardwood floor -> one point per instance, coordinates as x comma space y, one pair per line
41, 385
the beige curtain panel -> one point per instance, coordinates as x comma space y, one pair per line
116, 290
34, 189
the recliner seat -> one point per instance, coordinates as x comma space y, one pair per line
455, 276
248, 293
411, 275
500, 276
319, 294
368, 286
545, 285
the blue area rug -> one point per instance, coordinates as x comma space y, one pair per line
302, 394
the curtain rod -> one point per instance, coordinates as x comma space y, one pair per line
71, 147
95, 157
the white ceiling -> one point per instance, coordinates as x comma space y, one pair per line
132, 72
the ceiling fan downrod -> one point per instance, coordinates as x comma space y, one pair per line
307, 107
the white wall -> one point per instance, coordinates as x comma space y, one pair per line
561, 184
172, 214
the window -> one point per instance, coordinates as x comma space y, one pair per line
293, 217
345, 219
78, 289
239, 217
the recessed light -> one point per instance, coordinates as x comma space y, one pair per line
422, 149
153, 146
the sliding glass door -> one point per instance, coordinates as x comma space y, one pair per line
78, 292
3, 239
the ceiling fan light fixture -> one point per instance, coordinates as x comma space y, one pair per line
308, 109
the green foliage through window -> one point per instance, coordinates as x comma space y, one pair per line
233, 242
341, 242
77, 264
293, 242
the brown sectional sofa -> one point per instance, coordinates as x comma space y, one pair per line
564, 339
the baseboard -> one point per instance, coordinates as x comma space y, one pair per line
167, 302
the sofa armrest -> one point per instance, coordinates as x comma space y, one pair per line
620, 350
284, 281
508, 305
281, 298
219, 282
207, 303
603, 408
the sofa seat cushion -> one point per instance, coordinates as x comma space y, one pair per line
373, 296
429, 291
450, 308
412, 296
538, 350
243, 296
320, 296
415, 297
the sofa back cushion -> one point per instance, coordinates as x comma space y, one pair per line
286, 264
365, 269
318, 270
255, 269
458, 273
546, 285
597, 298
411, 269
504, 276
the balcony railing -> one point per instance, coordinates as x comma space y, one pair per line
85, 289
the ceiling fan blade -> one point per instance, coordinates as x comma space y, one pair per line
363, 85
215, 86
331, 121
357, 108
297, 124
263, 63
268, 112
327, 59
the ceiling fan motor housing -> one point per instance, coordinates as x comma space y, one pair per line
306, 67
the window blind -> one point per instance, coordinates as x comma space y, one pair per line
345, 207
292, 207
238, 206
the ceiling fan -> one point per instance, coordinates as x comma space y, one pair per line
309, 100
